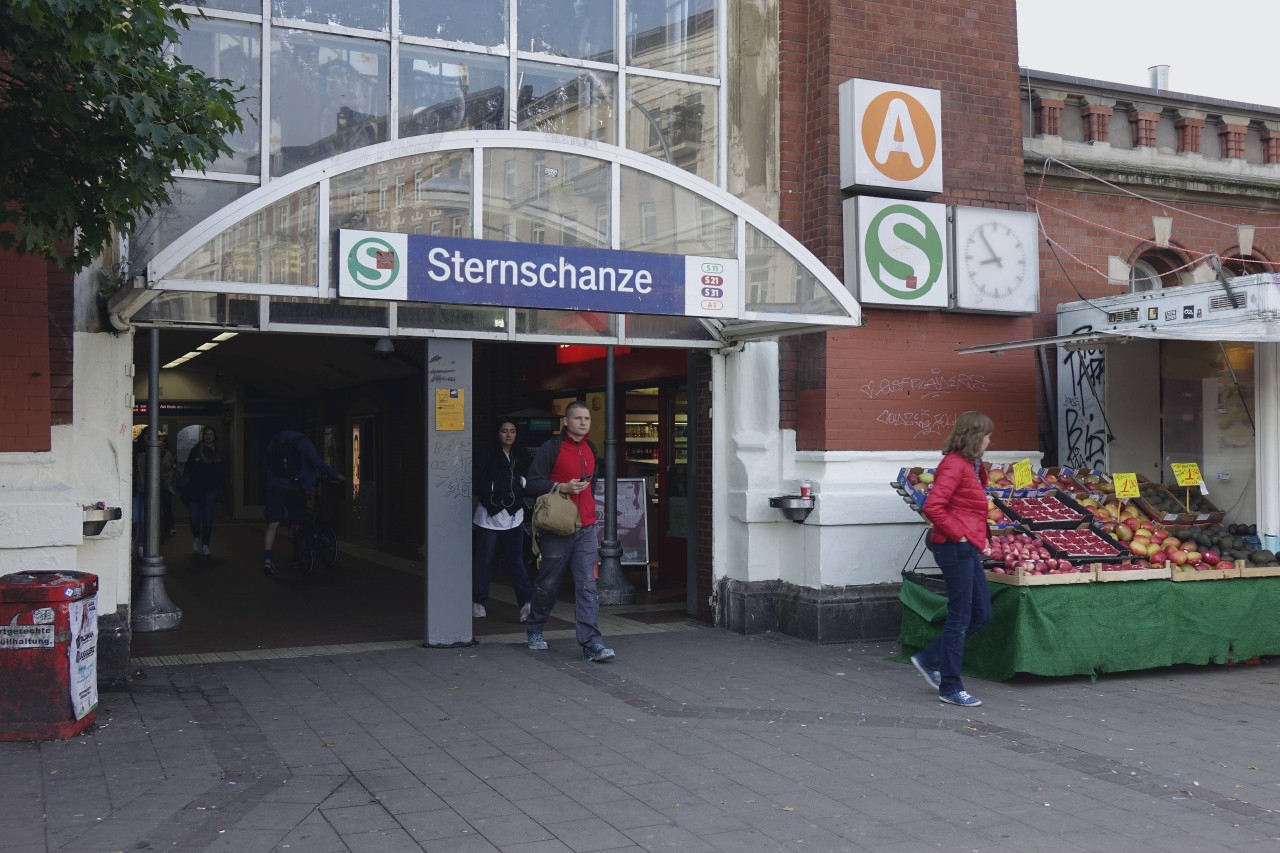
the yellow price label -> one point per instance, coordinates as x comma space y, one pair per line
1022, 474
1126, 485
1187, 473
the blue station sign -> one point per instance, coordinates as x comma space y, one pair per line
455, 271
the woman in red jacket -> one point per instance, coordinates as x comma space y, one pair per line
957, 508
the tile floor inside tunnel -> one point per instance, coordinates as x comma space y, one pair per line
370, 596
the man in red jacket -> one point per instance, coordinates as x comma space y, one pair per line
567, 464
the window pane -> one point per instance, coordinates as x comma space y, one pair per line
674, 122
578, 29
568, 101
482, 22
193, 202
536, 321
275, 245
231, 50
329, 94
477, 318
687, 224
363, 14
672, 35
776, 283
559, 192
224, 309
249, 7
328, 312
413, 195
444, 90
650, 327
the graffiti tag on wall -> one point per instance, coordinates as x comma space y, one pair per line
934, 385
1081, 387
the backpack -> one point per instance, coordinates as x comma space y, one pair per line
284, 458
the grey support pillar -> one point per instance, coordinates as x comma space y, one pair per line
612, 584
152, 610
448, 378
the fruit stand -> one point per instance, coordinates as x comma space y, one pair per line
1058, 549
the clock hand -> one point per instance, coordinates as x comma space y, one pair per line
994, 259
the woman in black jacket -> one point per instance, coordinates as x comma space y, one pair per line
499, 480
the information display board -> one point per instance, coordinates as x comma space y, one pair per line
633, 518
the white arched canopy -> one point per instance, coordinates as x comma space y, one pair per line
266, 261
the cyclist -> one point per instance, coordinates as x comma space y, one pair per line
291, 463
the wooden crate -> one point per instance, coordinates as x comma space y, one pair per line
1182, 574
1259, 571
1039, 580
1101, 575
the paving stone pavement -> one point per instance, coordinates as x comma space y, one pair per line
692, 740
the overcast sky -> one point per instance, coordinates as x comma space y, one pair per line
1217, 48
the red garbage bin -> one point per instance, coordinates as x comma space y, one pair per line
48, 654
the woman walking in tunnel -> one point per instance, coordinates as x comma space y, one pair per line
201, 487
499, 486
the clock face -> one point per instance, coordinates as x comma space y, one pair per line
997, 266
995, 260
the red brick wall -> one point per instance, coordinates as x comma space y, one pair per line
969, 52
61, 342
25, 412
1092, 227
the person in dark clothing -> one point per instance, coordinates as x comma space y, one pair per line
957, 509
567, 464
498, 483
202, 488
286, 491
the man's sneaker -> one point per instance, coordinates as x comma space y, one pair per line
195, 546
537, 643
961, 698
268, 567
930, 675
477, 610
524, 612
204, 549
597, 653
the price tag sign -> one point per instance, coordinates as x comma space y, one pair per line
1187, 473
1022, 474
1126, 485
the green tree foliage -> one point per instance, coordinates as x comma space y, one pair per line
96, 117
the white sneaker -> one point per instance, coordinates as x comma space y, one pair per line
205, 550
477, 610
195, 546
524, 612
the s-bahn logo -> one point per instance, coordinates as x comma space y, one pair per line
902, 252
373, 264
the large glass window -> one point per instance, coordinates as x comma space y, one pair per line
683, 222
362, 14
274, 245
422, 194
329, 94
568, 101
231, 50
578, 29
675, 122
193, 201
555, 191
482, 22
672, 35
777, 283
442, 90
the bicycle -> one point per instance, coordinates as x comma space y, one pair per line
313, 537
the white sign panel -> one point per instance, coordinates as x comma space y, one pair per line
890, 137
997, 260
901, 252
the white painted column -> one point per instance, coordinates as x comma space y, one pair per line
1267, 441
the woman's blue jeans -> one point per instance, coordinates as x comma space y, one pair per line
968, 609
202, 517
486, 543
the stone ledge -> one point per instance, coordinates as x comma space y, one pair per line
827, 615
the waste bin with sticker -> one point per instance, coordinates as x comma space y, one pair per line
48, 654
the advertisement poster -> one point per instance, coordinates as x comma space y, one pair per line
633, 519
449, 409
82, 652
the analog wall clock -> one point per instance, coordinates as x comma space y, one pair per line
997, 254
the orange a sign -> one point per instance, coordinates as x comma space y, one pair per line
890, 136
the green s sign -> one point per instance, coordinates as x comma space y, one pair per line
887, 241
374, 264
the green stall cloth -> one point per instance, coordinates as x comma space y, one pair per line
1088, 629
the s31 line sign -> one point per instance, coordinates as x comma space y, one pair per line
456, 271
